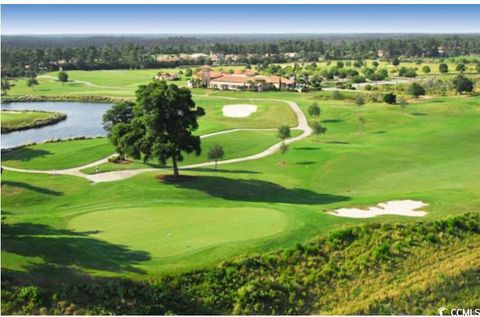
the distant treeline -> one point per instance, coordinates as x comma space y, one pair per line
21, 54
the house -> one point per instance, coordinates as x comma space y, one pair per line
381, 53
242, 80
168, 59
166, 76
198, 55
231, 57
216, 56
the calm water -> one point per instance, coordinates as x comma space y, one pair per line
83, 119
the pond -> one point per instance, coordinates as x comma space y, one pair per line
83, 119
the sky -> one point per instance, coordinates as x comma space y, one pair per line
218, 18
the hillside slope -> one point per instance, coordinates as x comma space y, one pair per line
368, 269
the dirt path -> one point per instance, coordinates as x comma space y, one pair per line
302, 124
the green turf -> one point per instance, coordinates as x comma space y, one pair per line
115, 83
59, 155
269, 114
123, 83
428, 151
22, 120
235, 144
15, 119
180, 230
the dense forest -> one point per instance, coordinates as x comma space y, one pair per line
23, 54
368, 269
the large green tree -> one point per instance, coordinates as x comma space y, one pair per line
119, 113
168, 116
117, 121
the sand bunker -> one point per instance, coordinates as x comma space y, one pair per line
393, 207
238, 111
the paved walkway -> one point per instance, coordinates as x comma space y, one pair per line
302, 124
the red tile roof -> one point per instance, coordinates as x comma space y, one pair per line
276, 79
233, 79
219, 77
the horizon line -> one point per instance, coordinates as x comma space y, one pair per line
234, 33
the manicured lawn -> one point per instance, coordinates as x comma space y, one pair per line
59, 155
59, 225
176, 231
432, 63
235, 144
15, 120
269, 114
115, 83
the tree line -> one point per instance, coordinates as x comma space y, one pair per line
18, 58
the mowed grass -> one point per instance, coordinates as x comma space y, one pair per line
68, 154
235, 144
117, 83
269, 114
58, 155
15, 119
175, 231
428, 151
114, 83
393, 70
123, 83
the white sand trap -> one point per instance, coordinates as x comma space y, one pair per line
238, 111
393, 207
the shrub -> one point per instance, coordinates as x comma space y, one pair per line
390, 98
416, 90
336, 95
463, 84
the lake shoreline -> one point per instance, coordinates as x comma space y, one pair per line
62, 98
83, 119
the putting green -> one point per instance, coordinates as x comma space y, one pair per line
170, 231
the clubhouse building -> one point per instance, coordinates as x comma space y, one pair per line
240, 80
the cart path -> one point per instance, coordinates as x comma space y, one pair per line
302, 124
